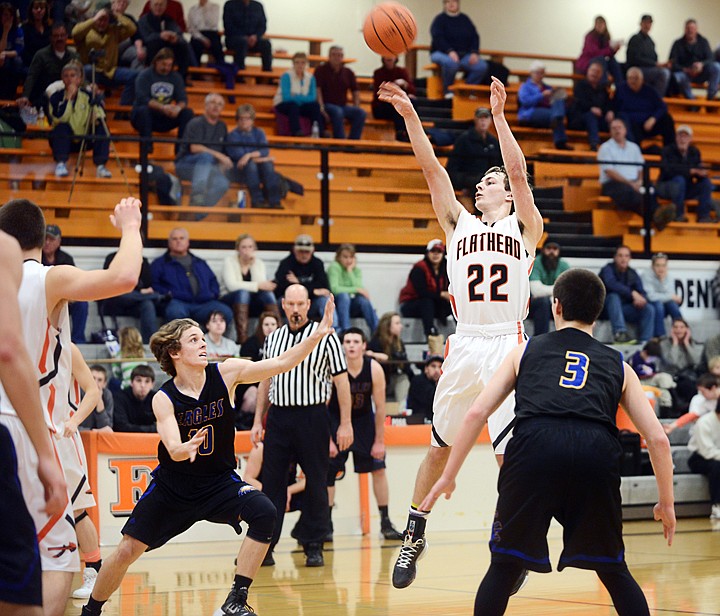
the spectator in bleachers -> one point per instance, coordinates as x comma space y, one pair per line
301, 266
692, 62
545, 272
643, 110
660, 289
174, 10
74, 112
683, 176
646, 364
599, 47
346, 283
160, 99
703, 402
131, 355
201, 158
621, 175
245, 26
193, 285
390, 71
36, 30
133, 405
98, 40
422, 387
297, 96
245, 285
455, 46
102, 416
52, 255
219, 345
626, 299
425, 294
473, 153
543, 106
681, 353
705, 458
335, 82
143, 302
641, 53
11, 49
46, 68
387, 345
158, 30
247, 147
203, 20
590, 109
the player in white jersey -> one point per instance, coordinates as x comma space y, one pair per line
20, 591
43, 297
489, 263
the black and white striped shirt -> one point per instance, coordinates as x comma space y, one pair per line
310, 382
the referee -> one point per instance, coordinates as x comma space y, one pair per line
298, 423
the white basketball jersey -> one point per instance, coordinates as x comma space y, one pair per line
489, 271
48, 347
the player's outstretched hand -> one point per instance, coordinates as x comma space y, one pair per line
666, 515
53, 480
497, 97
191, 447
126, 213
326, 325
442, 486
392, 93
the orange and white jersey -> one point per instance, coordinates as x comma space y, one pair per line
489, 271
48, 347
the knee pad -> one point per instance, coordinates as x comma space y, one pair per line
260, 515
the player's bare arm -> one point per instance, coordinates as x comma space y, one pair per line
378, 393
169, 431
447, 207
92, 397
516, 168
236, 371
65, 282
261, 408
344, 436
497, 389
635, 402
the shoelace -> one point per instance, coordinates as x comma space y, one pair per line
408, 553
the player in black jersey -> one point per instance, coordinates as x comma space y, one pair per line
196, 478
564, 458
367, 385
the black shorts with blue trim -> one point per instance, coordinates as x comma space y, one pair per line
20, 571
363, 439
565, 469
173, 502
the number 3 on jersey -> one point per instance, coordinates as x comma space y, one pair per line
498, 278
576, 370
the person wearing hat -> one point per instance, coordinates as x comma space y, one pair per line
301, 266
426, 295
543, 106
546, 269
474, 152
684, 176
455, 46
641, 53
422, 387
52, 255
693, 62
98, 40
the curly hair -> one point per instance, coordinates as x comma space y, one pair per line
166, 340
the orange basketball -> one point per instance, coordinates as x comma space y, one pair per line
389, 28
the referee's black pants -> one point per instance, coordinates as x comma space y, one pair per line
301, 434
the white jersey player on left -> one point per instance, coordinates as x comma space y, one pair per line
43, 297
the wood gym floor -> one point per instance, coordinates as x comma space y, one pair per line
192, 579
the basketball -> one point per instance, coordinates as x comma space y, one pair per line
389, 28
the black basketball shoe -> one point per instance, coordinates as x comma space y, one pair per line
405, 568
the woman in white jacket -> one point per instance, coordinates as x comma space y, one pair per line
245, 286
